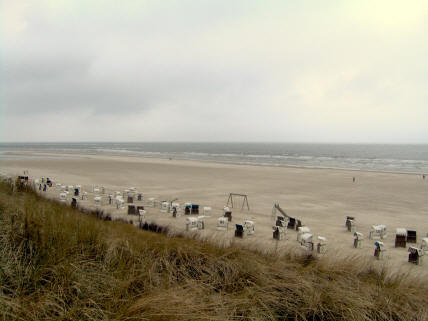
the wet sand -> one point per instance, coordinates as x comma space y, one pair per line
321, 198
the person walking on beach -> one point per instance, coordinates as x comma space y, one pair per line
353, 179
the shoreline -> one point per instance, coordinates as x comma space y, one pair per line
206, 161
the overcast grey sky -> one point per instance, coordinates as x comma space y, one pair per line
280, 71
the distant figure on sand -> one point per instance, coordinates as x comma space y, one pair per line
353, 179
423, 176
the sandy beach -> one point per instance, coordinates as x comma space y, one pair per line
321, 198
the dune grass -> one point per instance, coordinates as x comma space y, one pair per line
57, 263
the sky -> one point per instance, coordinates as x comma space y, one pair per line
204, 70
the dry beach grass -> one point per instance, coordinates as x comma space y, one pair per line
59, 263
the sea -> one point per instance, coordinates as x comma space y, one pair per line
367, 157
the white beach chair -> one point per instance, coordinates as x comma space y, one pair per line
165, 207
222, 224
207, 211
358, 239
415, 255
249, 227
279, 232
400, 237
120, 203
306, 241
302, 230
84, 195
151, 202
97, 200
191, 224
142, 216
201, 222
321, 245
377, 232
424, 244
62, 196
380, 250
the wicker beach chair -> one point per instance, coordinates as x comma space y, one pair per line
380, 250
358, 239
302, 230
415, 255
400, 237
191, 224
222, 224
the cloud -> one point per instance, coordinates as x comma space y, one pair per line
213, 70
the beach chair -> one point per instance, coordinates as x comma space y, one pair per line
358, 239
351, 226
132, 210
201, 222
164, 207
291, 223
97, 200
130, 199
306, 241
380, 250
227, 213
278, 233
321, 245
207, 211
302, 230
120, 203
142, 216
249, 227
191, 224
400, 237
377, 232
349, 218
282, 221
424, 244
187, 208
96, 190
151, 202
240, 231
84, 195
411, 236
175, 209
125, 193
195, 209
62, 196
222, 224
415, 255
117, 193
